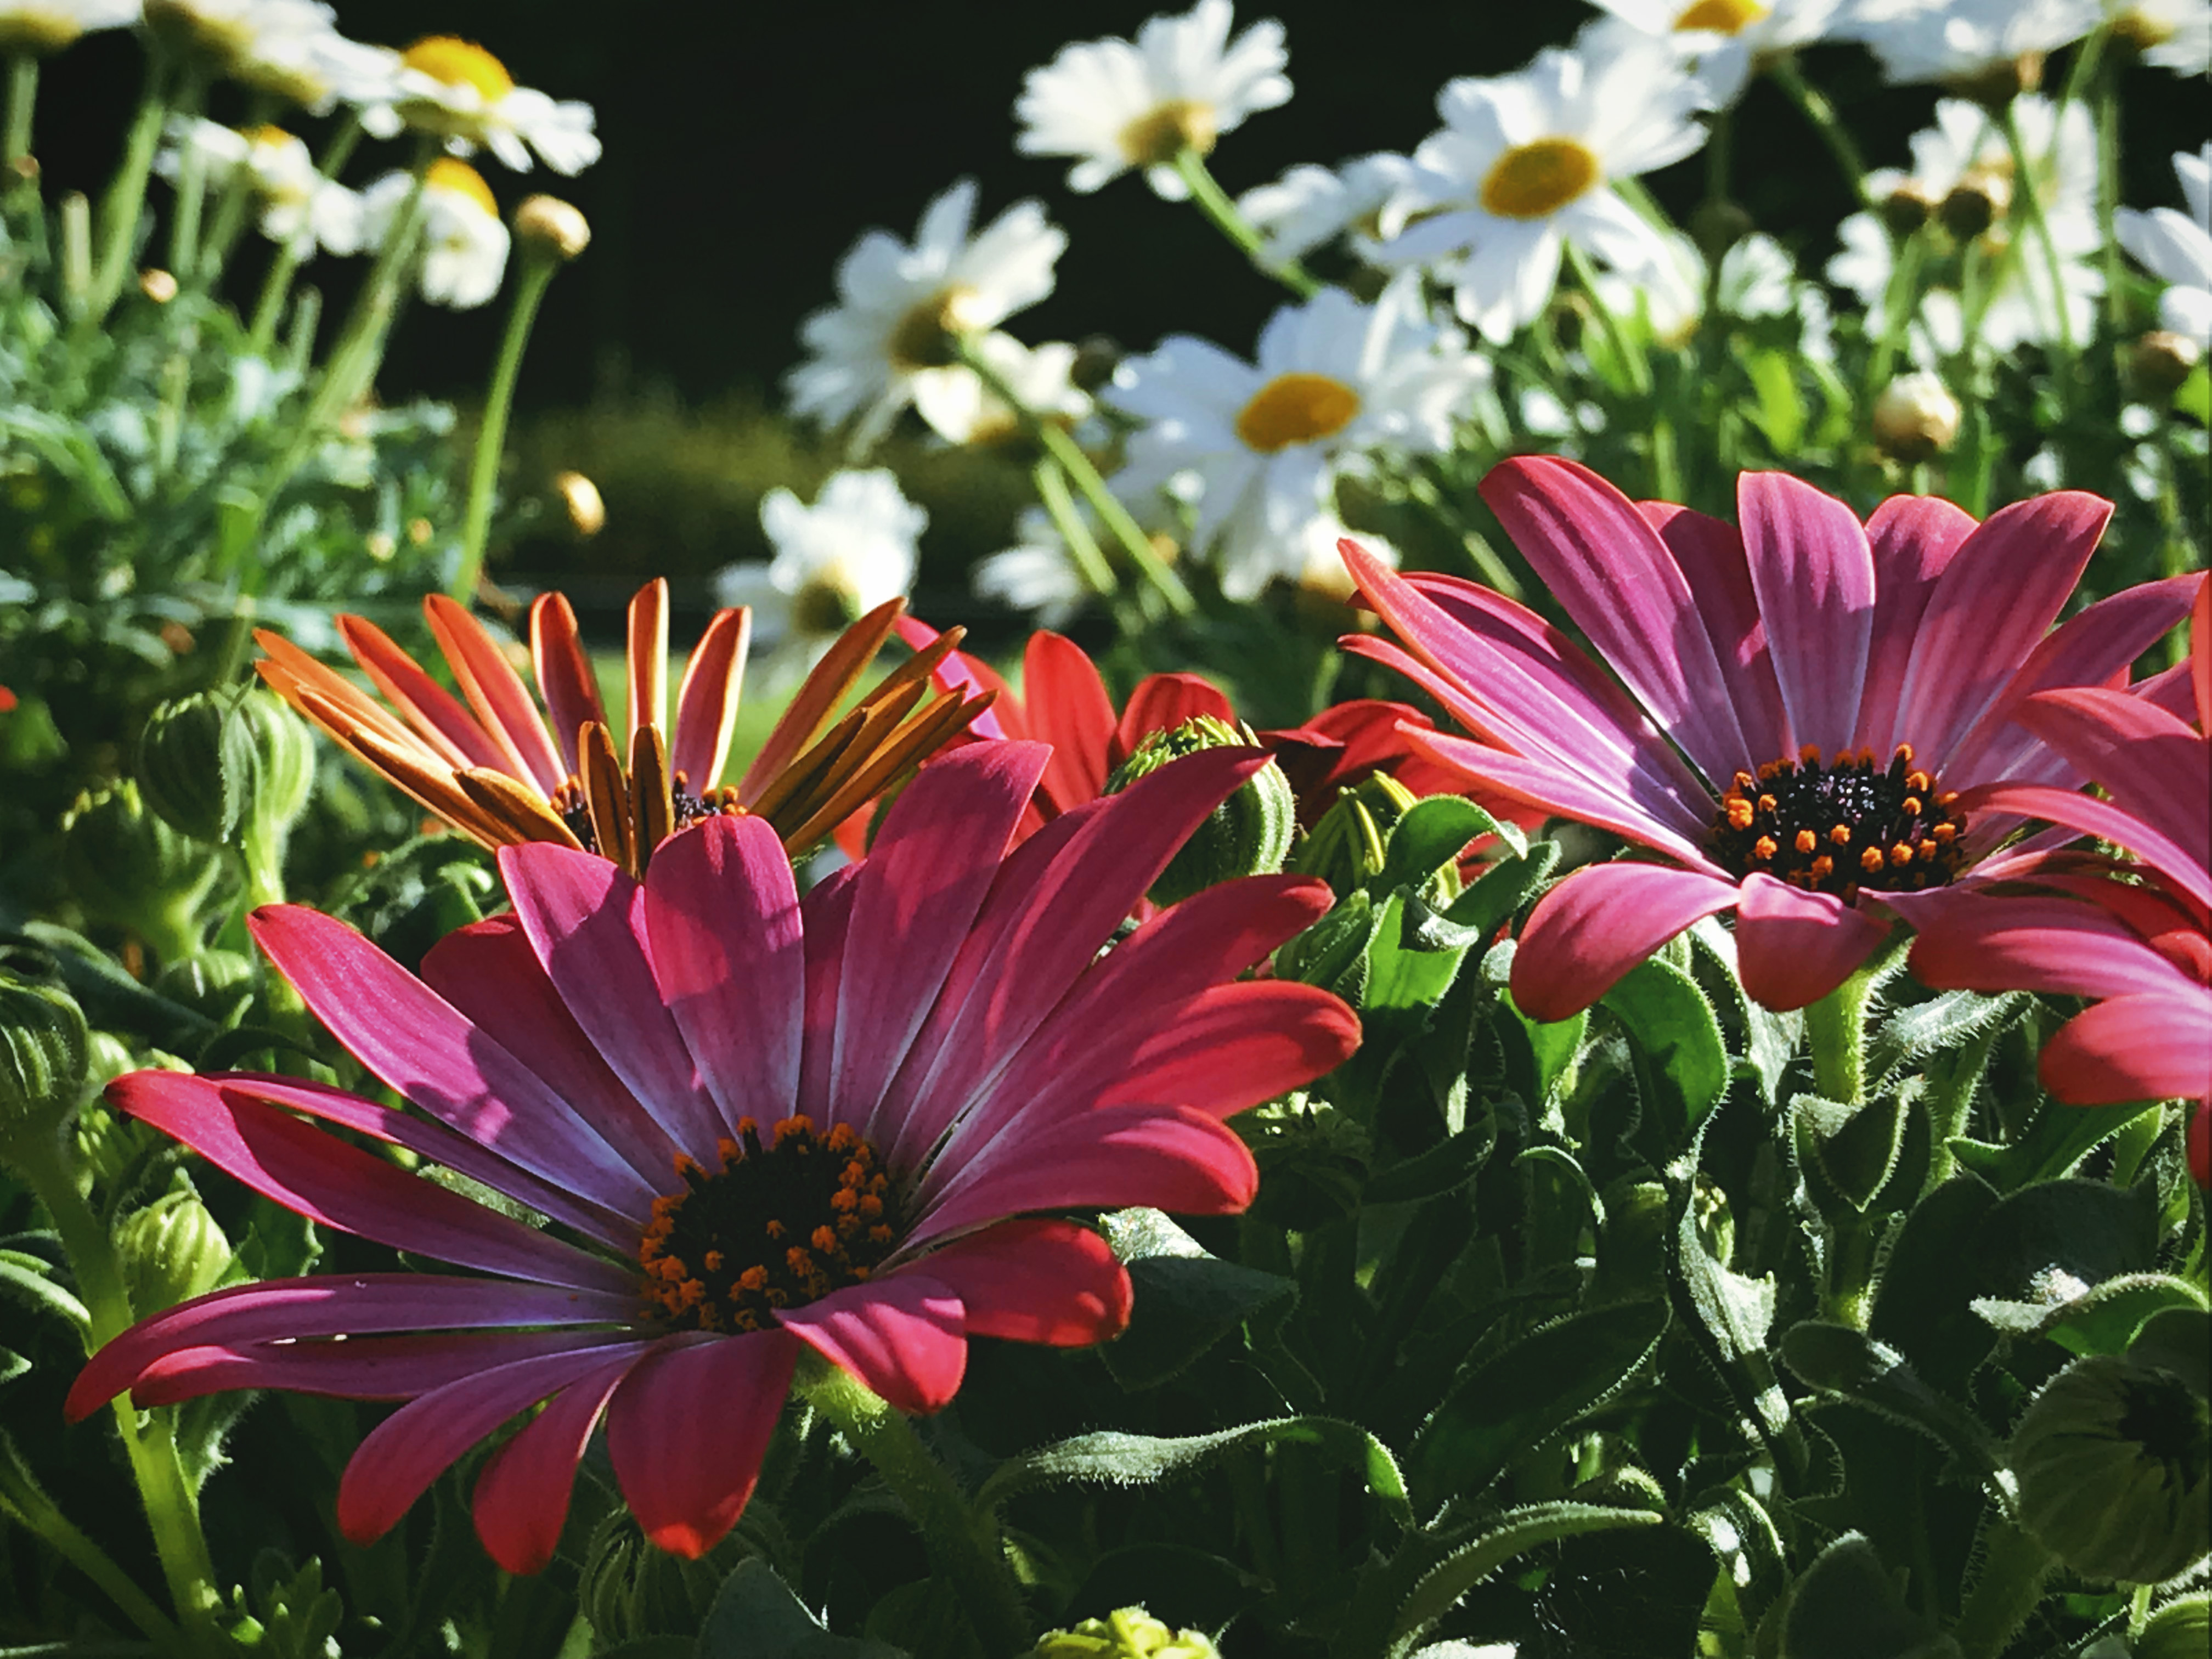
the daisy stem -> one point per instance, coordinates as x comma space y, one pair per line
24, 1502
1213, 202
192, 183
1081, 547
269, 309
1666, 466
1814, 104
126, 200
2053, 264
1835, 1027
963, 1545
2108, 194
22, 100
237, 193
530, 287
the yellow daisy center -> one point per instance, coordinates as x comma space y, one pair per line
459, 179
1295, 409
456, 62
926, 337
36, 32
1153, 138
1720, 17
1534, 181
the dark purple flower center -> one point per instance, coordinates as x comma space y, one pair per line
778, 1226
1831, 829
685, 808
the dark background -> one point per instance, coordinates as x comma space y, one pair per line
748, 145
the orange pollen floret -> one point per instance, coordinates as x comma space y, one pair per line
797, 1124
1841, 834
690, 1293
1917, 782
1744, 780
729, 1151
753, 1278
1764, 848
842, 1139
1910, 807
773, 1228
1740, 813
714, 1261
824, 1239
1945, 834
687, 1166
798, 1261
1901, 855
745, 1320
776, 1297
1809, 754
852, 1174
1945, 800
1766, 803
842, 1201
1822, 867
1773, 769
1903, 752
747, 1126
860, 1273
872, 1206
1871, 859
1806, 840
671, 1268
880, 1234
1926, 851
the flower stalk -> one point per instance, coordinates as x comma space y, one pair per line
535, 276
277, 285
126, 200
22, 102
1214, 202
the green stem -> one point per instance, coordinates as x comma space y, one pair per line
126, 200
1213, 202
1900, 300
269, 309
2108, 194
1488, 563
22, 100
26, 1503
1814, 105
1835, 1029
963, 1546
2053, 262
2014, 1567
171, 1510
1082, 546
184, 215
530, 287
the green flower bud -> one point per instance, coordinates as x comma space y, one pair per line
2179, 1630
129, 869
1347, 847
2111, 1457
214, 982
632, 1590
218, 767
172, 1251
1248, 835
42, 1061
1129, 1633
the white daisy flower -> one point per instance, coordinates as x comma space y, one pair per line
1757, 279
464, 241
1321, 569
1335, 381
2172, 34
1182, 83
899, 306
1963, 41
1720, 42
290, 48
36, 28
1525, 166
961, 410
1037, 575
455, 88
300, 208
834, 560
2177, 247
1309, 205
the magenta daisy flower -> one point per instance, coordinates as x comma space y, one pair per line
759, 1125
1799, 704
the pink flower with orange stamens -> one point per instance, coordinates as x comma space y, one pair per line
495, 767
758, 1126
1799, 704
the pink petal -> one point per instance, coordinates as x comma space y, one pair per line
355, 1304
497, 694
1561, 791
958, 672
913, 903
1599, 923
2146, 1047
417, 1041
1064, 704
2200, 652
1168, 1159
351, 1368
1710, 554
564, 673
903, 1334
402, 1454
1792, 948
2152, 765
489, 972
707, 702
1619, 583
1161, 703
522, 1500
2088, 816
1813, 573
825, 919
2001, 589
321, 1177
1043, 1281
2030, 943
585, 920
1913, 539
687, 1429
721, 913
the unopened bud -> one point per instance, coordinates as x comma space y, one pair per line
157, 285
42, 1060
219, 767
1978, 200
2161, 360
550, 228
1348, 846
2111, 1459
1248, 835
632, 1590
2179, 1630
1995, 85
587, 512
1718, 226
1126, 1633
1916, 417
171, 1251
128, 868
1907, 208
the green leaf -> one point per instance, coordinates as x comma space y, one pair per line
1333, 952
2193, 396
2058, 1138
1847, 1607
1402, 975
1851, 1149
2088, 1231
756, 1616
1504, 889
1522, 1397
1837, 1359
1780, 412
1442, 1169
2102, 1320
1920, 1032
1513, 1533
1668, 1017
1110, 1458
1185, 1298
2178, 1340
1920, 1303
1432, 834
26, 1276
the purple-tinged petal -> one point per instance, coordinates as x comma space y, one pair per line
2088, 816
2150, 763
1972, 942
1037, 1280
958, 672
522, 1500
2200, 653
2001, 589
707, 702
325, 1179
903, 1334
826, 919
1545, 784
1619, 583
913, 903
1709, 553
1813, 574
404, 1454
687, 1429
2150, 1046
350, 1367
1599, 923
585, 920
721, 913
1792, 948
489, 972
1913, 539
419, 1043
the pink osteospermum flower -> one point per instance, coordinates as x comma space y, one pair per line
760, 1125
1799, 702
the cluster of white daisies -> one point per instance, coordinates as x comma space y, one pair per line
290, 53
1238, 460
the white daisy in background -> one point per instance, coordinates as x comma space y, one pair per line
288, 48
36, 28
899, 306
300, 210
961, 410
1321, 569
1720, 42
2170, 34
1336, 382
455, 88
834, 560
1757, 279
1116, 104
1963, 167
1036, 576
1310, 205
2177, 248
1525, 165
464, 241
1964, 41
